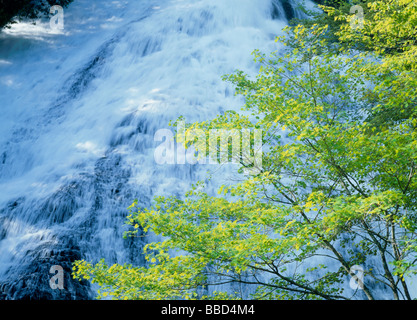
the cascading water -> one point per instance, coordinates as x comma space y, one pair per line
79, 110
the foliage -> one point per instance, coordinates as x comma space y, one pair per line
333, 191
322, 18
390, 32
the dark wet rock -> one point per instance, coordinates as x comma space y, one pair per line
32, 281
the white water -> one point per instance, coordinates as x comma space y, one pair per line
79, 109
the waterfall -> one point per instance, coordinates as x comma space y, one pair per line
79, 110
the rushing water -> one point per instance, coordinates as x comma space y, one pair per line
79, 110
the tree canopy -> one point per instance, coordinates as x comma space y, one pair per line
10, 9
